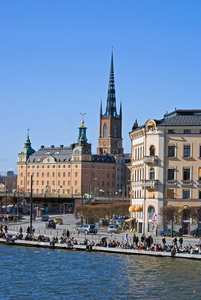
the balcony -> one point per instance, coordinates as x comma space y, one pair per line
150, 184
150, 160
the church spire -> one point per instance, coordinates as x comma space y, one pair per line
111, 99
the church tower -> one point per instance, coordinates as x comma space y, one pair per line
110, 130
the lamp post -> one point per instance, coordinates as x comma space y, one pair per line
18, 200
6, 199
82, 205
31, 205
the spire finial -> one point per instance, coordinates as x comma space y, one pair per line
82, 118
28, 132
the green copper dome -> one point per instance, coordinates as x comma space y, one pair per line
27, 149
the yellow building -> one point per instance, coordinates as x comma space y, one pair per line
63, 170
166, 169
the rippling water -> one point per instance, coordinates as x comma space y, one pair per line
34, 273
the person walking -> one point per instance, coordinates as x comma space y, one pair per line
126, 240
134, 239
181, 242
137, 240
175, 241
67, 233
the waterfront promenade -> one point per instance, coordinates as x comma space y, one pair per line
100, 249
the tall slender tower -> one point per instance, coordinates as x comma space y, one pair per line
110, 131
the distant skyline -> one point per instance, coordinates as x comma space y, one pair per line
55, 64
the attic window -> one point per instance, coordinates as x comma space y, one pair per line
56, 152
48, 152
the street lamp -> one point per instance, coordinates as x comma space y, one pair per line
30, 230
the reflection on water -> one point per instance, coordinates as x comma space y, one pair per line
32, 273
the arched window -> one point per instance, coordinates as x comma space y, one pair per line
152, 150
152, 174
115, 131
105, 130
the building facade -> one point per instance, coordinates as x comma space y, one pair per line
63, 170
166, 169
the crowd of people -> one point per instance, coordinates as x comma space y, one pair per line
134, 242
147, 244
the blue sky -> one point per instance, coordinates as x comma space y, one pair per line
55, 63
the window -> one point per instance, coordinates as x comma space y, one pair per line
37, 174
75, 182
59, 166
69, 182
42, 182
68, 174
76, 191
151, 194
42, 174
171, 151
53, 182
37, 182
152, 174
75, 174
152, 150
76, 166
63, 182
187, 150
186, 194
58, 182
59, 174
187, 131
28, 174
53, 174
170, 193
115, 131
64, 174
199, 174
48, 174
171, 131
170, 174
105, 130
186, 173
108, 175
108, 184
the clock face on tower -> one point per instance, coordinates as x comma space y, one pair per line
104, 143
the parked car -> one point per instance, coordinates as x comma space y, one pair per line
168, 232
44, 218
113, 228
88, 228
196, 232
50, 224
58, 221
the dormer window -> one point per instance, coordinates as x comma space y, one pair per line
56, 152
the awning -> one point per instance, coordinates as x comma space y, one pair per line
131, 219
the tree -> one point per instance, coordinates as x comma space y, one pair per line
169, 213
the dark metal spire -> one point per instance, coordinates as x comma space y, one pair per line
101, 109
111, 99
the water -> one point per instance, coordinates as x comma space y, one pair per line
35, 273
